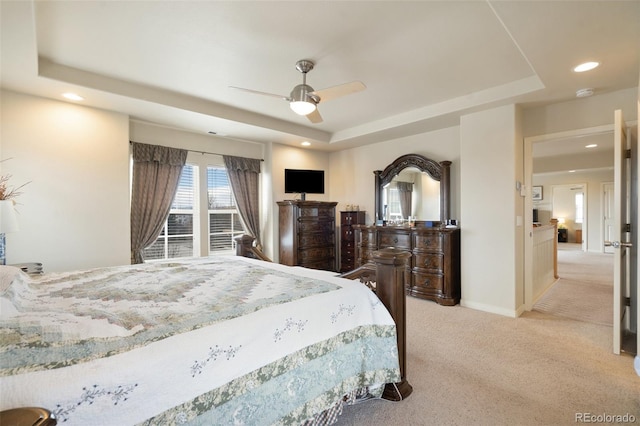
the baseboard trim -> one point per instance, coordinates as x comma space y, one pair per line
492, 309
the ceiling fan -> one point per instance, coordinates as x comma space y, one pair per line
304, 100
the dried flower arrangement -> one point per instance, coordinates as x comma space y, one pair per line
6, 192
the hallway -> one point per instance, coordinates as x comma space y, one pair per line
584, 291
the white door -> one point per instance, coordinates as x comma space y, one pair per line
624, 315
608, 206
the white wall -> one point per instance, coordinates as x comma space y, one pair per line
491, 259
580, 113
74, 213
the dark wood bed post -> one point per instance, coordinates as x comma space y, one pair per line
245, 248
391, 267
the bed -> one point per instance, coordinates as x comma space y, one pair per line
224, 340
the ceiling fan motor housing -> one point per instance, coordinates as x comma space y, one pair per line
302, 93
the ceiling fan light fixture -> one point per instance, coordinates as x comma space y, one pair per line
302, 107
302, 102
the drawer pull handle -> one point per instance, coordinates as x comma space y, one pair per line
395, 240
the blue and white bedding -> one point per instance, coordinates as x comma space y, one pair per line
225, 340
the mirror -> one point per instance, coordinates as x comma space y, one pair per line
427, 182
411, 193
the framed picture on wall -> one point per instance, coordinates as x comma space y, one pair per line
537, 193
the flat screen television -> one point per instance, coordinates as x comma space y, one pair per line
303, 182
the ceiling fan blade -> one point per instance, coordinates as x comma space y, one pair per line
315, 117
273, 95
340, 90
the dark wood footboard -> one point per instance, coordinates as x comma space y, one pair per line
386, 277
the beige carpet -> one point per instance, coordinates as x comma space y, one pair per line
584, 291
469, 367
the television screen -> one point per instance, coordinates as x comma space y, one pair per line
303, 181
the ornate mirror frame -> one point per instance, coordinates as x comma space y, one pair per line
437, 171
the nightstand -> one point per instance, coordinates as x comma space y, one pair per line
35, 416
562, 235
31, 268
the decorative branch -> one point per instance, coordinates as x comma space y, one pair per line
7, 192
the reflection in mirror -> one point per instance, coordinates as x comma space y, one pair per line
412, 193
416, 181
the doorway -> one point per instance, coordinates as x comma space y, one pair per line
569, 205
559, 170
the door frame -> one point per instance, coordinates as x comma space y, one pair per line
527, 229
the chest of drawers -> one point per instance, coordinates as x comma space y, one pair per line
307, 234
347, 238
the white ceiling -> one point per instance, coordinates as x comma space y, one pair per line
424, 62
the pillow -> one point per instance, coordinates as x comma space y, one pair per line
7, 275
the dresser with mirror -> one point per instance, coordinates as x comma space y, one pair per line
404, 221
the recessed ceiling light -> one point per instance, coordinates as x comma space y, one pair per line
305, 143
587, 66
73, 96
593, 145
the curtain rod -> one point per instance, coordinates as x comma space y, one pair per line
192, 150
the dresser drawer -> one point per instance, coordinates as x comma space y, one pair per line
321, 212
316, 255
315, 225
431, 241
426, 282
432, 262
352, 218
367, 238
393, 239
347, 251
315, 239
347, 234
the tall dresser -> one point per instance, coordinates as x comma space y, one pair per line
347, 238
435, 258
307, 234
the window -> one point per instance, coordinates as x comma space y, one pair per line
177, 237
224, 220
392, 201
579, 207
182, 233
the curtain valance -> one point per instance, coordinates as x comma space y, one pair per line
240, 163
145, 153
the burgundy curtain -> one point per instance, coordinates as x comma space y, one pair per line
156, 173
